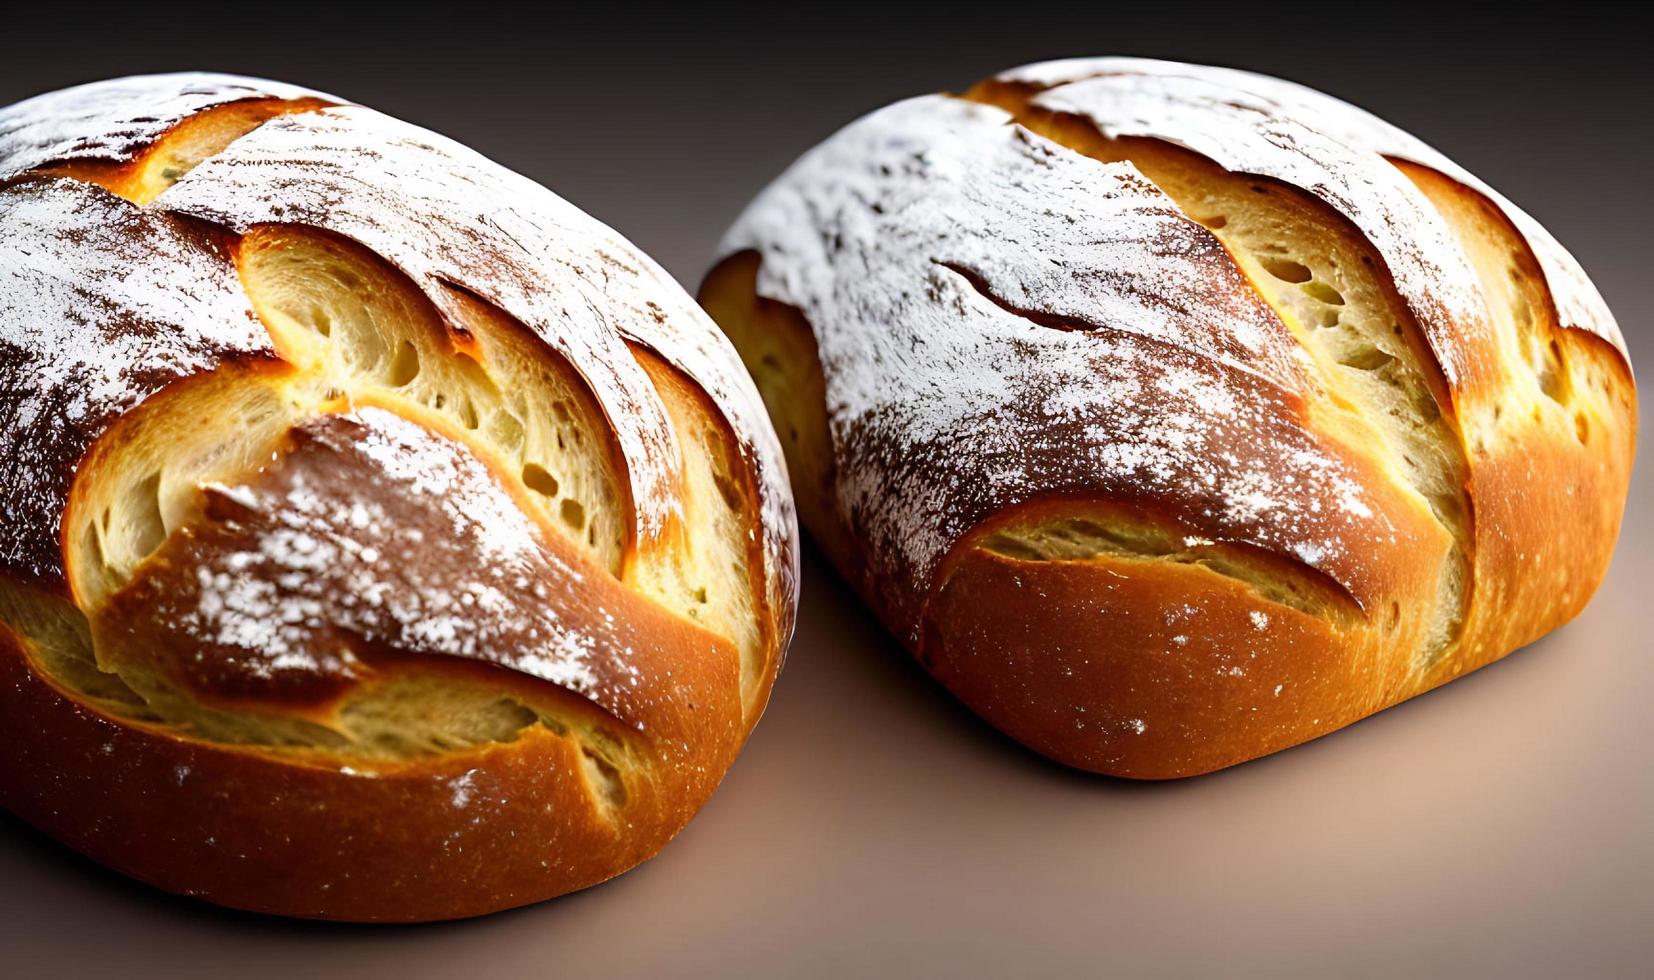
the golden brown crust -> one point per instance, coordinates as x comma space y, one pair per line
1142, 669
386, 540
1175, 654
1117, 543
507, 825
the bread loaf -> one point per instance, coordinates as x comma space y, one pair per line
1176, 415
381, 537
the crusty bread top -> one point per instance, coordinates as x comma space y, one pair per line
1005, 312
165, 304
1260, 124
117, 119
1117, 349
291, 384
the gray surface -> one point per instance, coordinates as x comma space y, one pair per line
1497, 827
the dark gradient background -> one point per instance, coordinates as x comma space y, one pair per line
1502, 826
